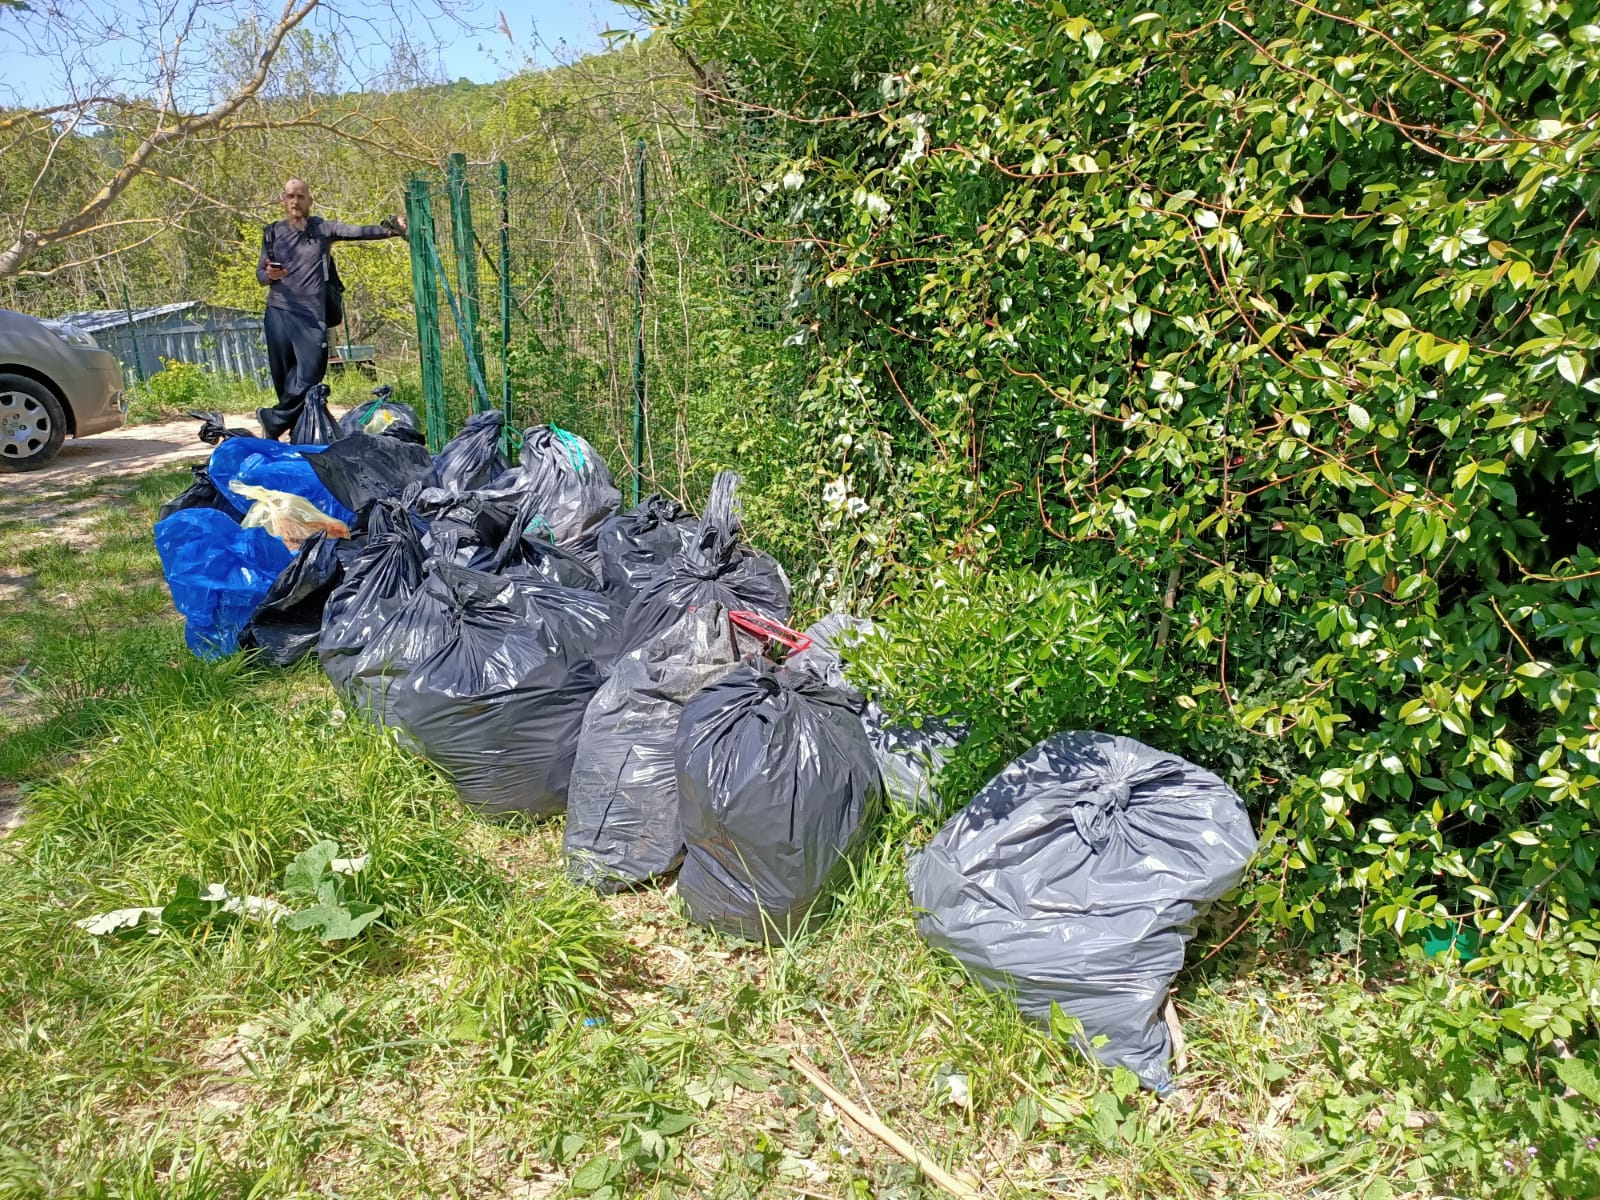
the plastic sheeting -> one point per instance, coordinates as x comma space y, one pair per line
622, 811
218, 573
489, 679
777, 789
718, 568
1076, 877
634, 545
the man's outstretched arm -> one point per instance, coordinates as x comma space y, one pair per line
343, 231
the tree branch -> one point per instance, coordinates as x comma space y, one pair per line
30, 242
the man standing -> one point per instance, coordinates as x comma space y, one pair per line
295, 268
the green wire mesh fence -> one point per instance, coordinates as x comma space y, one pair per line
590, 280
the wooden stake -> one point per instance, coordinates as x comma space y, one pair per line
879, 1130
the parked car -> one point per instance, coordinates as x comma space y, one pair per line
54, 383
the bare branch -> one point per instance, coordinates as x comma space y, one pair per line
29, 242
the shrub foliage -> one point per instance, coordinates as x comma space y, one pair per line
1277, 319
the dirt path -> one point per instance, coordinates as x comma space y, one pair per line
130, 451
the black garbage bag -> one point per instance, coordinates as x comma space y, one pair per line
910, 756
1076, 876
315, 425
214, 429
288, 624
634, 545
202, 493
503, 537
567, 480
488, 678
472, 459
362, 470
381, 578
622, 809
382, 414
777, 789
717, 567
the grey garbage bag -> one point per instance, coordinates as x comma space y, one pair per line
567, 481
777, 790
503, 536
382, 414
622, 810
381, 578
1076, 876
315, 425
488, 678
472, 459
717, 567
910, 757
634, 545
288, 624
361, 470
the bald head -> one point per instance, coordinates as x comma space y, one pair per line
296, 201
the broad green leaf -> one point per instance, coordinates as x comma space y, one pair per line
1580, 1076
1571, 367
309, 868
595, 1174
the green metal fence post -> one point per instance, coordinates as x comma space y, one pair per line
133, 332
505, 292
466, 260
425, 289
638, 333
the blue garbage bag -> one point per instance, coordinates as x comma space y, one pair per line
218, 574
273, 465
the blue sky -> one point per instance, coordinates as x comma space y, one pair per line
472, 46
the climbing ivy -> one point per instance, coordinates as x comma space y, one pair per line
1278, 319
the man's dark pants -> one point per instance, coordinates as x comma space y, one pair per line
297, 355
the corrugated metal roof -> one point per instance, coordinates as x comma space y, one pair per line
110, 318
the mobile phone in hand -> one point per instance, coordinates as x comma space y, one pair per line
274, 266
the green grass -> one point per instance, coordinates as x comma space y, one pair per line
169, 395
503, 1033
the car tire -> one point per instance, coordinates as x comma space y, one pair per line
32, 424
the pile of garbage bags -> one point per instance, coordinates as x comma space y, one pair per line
550, 652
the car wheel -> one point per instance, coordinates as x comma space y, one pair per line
32, 425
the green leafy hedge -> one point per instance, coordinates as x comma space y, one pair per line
1277, 319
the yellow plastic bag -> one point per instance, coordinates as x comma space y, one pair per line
289, 518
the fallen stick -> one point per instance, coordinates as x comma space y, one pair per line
932, 1170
